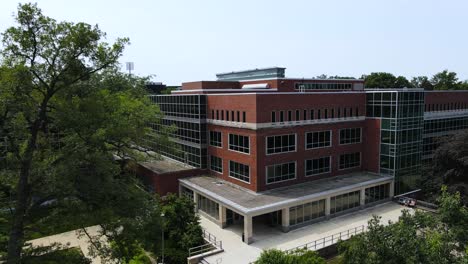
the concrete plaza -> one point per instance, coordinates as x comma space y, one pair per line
237, 252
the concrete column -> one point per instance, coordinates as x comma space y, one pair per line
285, 219
195, 201
363, 197
392, 189
327, 206
222, 216
180, 190
248, 231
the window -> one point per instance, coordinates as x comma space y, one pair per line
239, 143
273, 116
280, 144
326, 113
317, 166
216, 139
217, 114
222, 114
289, 115
232, 116
319, 139
243, 117
311, 115
306, 212
350, 160
281, 116
377, 193
332, 113
212, 114
239, 171
350, 135
318, 114
345, 201
238, 116
280, 172
216, 164
208, 206
298, 115
227, 115
304, 115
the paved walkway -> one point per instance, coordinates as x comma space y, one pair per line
237, 252
69, 240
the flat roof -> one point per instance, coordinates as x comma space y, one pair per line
249, 202
165, 165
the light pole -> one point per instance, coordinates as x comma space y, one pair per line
162, 236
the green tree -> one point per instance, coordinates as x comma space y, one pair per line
300, 256
448, 167
419, 238
385, 80
422, 82
445, 80
71, 123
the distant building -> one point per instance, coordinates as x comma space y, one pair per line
155, 87
293, 151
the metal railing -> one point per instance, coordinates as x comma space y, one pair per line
211, 243
330, 240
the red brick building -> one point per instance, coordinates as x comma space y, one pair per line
294, 151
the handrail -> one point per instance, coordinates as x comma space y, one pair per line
211, 243
330, 240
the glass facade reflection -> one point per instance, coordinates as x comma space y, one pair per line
344, 202
402, 119
306, 212
187, 113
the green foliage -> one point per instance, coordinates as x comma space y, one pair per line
448, 167
419, 238
72, 123
385, 80
300, 256
445, 80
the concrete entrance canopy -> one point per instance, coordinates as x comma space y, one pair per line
249, 203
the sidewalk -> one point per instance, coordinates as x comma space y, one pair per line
73, 239
237, 252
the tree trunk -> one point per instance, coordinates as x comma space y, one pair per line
15, 242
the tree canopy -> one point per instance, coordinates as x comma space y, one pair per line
72, 126
416, 238
300, 256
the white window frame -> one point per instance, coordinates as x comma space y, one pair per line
209, 139
229, 174
222, 165
313, 175
305, 139
360, 161
360, 136
266, 144
266, 170
229, 143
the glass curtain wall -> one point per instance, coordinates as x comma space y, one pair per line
402, 119
187, 113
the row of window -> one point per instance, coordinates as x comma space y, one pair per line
298, 115
226, 115
185, 106
446, 106
309, 211
323, 86
287, 143
287, 171
445, 125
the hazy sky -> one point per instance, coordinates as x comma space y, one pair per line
192, 40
